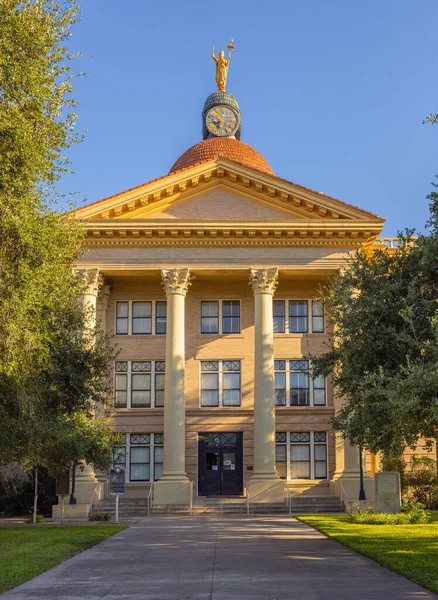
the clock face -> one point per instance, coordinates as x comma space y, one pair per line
222, 121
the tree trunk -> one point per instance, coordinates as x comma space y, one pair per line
35, 497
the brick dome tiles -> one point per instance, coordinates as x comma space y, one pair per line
216, 147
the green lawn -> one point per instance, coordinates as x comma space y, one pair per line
28, 551
410, 550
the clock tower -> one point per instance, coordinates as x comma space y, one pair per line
221, 116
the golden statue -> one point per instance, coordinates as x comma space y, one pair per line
222, 65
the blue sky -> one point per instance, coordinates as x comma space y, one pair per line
332, 94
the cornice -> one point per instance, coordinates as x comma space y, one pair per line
252, 233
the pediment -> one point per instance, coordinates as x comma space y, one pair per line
218, 204
222, 190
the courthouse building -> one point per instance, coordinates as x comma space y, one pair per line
209, 278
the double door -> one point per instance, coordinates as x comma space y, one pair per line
220, 464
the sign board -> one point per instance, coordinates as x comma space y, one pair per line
63, 483
117, 481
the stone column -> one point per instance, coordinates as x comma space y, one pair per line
174, 485
265, 484
86, 481
101, 308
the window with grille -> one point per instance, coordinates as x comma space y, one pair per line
139, 384
294, 385
301, 454
141, 317
220, 316
220, 383
303, 316
143, 456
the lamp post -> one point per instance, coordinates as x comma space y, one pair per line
362, 495
73, 485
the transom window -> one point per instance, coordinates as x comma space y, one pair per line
295, 387
220, 383
141, 317
220, 316
298, 316
139, 384
301, 454
141, 455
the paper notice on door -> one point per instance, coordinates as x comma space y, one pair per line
233, 467
214, 468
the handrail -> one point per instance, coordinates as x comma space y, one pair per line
191, 497
343, 493
288, 496
150, 497
91, 501
247, 497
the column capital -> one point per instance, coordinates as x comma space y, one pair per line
263, 281
176, 281
93, 280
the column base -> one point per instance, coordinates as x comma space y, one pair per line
172, 491
86, 484
71, 511
349, 491
266, 490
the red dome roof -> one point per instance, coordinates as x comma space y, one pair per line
215, 147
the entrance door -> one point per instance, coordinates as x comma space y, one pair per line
220, 464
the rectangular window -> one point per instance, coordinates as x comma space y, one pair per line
160, 367
158, 455
144, 317
292, 380
280, 382
122, 318
299, 320
220, 316
139, 384
281, 454
160, 317
230, 316
209, 317
298, 316
140, 457
320, 454
121, 385
220, 383
317, 316
119, 454
299, 383
279, 316
301, 454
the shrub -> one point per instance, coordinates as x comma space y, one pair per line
416, 512
369, 517
39, 519
411, 513
422, 481
100, 517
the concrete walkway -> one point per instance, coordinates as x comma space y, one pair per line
222, 558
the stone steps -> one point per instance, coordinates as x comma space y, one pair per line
137, 508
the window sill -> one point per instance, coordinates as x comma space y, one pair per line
214, 336
297, 335
140, 335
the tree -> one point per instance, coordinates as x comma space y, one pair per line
384, 348
53, 369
